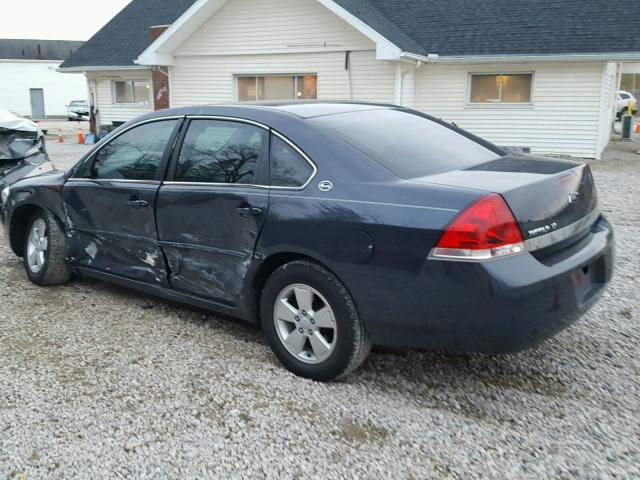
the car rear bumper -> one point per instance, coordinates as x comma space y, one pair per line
499, 306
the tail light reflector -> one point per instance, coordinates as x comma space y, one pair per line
484, 230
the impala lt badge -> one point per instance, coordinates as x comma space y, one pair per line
534, 232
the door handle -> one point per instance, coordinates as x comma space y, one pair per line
250, 211
137, 203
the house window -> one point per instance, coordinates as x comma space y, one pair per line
631, 83
131, 91
277, 87
501, 88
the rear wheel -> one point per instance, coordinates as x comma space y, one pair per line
45, 248
311, 322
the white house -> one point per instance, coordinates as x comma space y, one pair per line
30, 84
515, 72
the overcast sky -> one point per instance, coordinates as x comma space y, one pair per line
56, 19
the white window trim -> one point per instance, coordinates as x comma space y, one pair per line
506, 105
129, 104
236, 76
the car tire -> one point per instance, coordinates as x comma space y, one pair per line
45, 250
324, 348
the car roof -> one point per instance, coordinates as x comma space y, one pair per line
310, 109
293, 109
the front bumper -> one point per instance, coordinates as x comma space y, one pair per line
78, 114
498, 306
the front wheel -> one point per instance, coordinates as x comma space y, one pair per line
45, 249
311, 322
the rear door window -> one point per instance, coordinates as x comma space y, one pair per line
409, 145
220, 151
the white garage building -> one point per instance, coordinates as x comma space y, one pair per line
524, 74
30, 84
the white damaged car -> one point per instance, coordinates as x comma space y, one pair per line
22, 149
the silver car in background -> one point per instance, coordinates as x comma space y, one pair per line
78, 110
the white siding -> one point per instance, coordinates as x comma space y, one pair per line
562, 119
277, 26
210, 79
108, 110
277, 37
17, 77
607, 104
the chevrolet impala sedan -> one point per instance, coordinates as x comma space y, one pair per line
335, 226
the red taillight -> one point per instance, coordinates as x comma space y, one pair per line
484, 230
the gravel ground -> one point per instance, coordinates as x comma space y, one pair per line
100, 382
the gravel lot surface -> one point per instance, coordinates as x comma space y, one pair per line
100, 382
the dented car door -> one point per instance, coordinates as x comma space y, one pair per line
110, 203
212, 207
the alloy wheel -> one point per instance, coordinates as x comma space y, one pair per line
305, 323
37, 245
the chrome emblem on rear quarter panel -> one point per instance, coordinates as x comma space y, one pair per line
325, 186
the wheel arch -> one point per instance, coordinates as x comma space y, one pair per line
19, 222
269, 265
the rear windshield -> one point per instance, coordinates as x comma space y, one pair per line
409, 145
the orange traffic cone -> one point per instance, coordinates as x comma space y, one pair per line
638, 127
60, 136
80, 136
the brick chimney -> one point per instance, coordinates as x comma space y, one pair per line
159, 75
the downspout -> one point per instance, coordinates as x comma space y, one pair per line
618, 86
416, 83
92, 87
397, 91
399, 83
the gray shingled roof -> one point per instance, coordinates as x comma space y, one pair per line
504, 27
443, 27
18, 49
121, 40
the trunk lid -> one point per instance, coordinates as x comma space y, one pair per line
546, 196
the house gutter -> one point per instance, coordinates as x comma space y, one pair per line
572, 57
101, 68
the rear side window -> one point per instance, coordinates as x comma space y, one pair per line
218, 151
409, 145
134, 155
288, 167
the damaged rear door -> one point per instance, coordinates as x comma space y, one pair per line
212, 207
110, 201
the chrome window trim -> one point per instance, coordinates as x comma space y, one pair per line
228, 119
557, 236
303, 155
207, 117
93, 153
265, 127
113, 180
214, 184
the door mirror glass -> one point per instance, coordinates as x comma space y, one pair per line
136, 154
288, 167
217, 151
